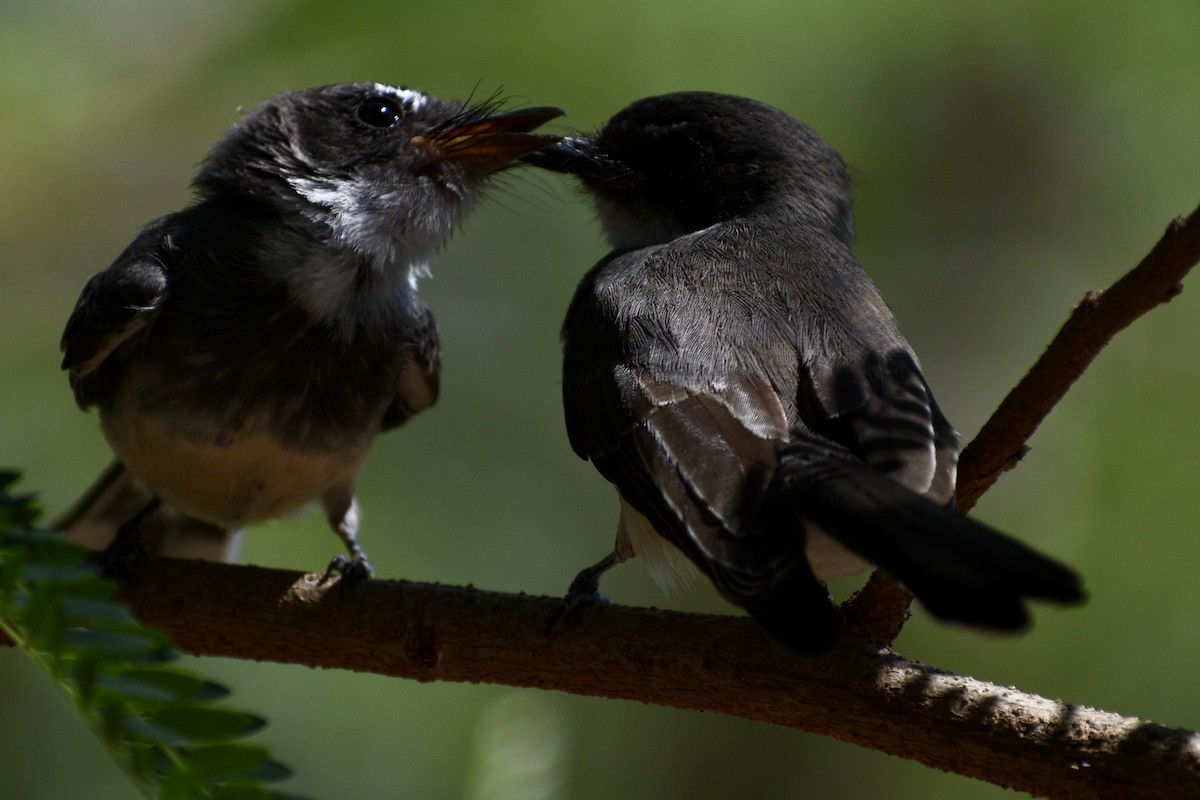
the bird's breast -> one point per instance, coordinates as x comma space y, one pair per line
237, 480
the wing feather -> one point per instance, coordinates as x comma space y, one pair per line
112, 313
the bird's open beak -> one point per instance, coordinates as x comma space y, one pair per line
492, 142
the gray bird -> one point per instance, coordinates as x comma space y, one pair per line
245, 352
735, 374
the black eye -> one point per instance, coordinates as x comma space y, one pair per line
379, 112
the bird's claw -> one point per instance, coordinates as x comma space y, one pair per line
128, 546
584, 591
354, 570
117, 560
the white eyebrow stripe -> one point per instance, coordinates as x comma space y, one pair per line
411, 98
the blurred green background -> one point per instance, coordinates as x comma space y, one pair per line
1008, 157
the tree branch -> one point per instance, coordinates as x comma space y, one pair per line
1099, 317
1001, 442
863, 694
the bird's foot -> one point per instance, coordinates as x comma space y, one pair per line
117, 560
584, 591
128, 547
354, 570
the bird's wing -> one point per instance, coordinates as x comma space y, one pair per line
702, 458
691, 450
417, 387
696, 464
114, 310
877, 404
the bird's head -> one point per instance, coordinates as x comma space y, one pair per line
676, 163
384, 171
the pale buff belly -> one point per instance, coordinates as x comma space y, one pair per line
251, 479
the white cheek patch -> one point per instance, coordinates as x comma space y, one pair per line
416, 272
412, 99
338, 204
342, 206
378, 226
328, 194
388, 227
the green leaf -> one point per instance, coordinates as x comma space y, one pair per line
28, 537
144, 762
142, 646
8, 477
222, 763
189, 725
162, 685
269, 772
180, 784
78, 612
42, 572
246, 792
18, 510
242, 791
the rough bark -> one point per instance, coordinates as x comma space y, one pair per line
864, 693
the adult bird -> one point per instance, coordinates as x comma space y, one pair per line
731, 369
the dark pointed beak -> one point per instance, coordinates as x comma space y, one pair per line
491, 142
575, 155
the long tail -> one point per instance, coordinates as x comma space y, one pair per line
958, 569
116, 496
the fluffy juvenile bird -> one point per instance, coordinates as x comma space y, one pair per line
245, 352
735, 374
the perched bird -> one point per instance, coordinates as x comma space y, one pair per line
245, 352
735, 374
